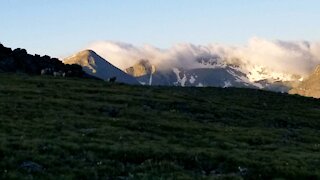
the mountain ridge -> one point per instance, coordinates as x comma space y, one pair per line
211, 72
20, 61
97, 66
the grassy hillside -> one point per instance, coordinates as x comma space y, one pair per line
55, 128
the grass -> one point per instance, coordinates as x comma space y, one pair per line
88, 129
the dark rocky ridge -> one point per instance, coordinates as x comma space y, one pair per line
19, 61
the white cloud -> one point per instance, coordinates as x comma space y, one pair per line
281, 56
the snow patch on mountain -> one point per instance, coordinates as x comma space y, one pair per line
258, 73
180, 80
192, 80
150, 80
227, 84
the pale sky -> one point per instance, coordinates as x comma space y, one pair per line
62, 27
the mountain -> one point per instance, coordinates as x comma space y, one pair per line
96, 66
206, 71
212, 72
148, 74
309, 87
218, 77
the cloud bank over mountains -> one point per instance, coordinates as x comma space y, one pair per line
281, 56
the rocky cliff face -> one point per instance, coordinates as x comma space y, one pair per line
141, 69
309, 87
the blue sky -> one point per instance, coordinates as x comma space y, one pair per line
61, 27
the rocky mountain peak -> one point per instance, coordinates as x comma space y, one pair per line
143, 67
96, 66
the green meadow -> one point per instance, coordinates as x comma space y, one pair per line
68, 128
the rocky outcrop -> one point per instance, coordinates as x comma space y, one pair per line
18, 60
309, 87
141, 69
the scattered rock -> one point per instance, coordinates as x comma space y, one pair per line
243, 171
40, 85
31, 167
110, 111
88, 130
114, 112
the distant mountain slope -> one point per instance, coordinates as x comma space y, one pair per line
218, 77
210, 73
309, 87
96, 66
